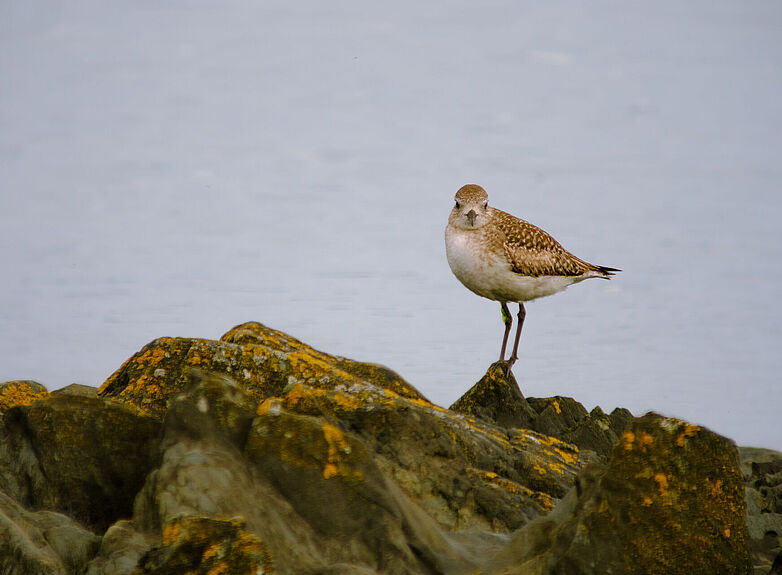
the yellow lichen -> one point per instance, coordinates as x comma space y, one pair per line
338, 447
296, 393
627, 440
213, 550
558, 409
151, 356
645, 440
171, 533
715, 487
19, 393
662, 483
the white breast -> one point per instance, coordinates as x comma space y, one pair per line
490, 275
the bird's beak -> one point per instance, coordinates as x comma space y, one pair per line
471, 215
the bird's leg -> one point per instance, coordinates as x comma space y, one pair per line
522, 314
507, 320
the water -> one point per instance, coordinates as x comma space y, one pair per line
178, 168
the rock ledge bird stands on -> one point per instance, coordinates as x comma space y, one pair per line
505, 259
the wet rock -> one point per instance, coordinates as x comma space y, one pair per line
670, 500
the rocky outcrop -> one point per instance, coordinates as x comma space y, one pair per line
670, 500
257, 453
497, 399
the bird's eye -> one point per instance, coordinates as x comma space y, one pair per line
458, 205
485, 205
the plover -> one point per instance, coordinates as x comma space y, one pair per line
503, 258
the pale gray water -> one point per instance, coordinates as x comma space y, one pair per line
177, 168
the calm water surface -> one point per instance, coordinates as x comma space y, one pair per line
178, 169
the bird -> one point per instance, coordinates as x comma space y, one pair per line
506, 259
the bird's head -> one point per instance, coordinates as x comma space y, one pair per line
472, 208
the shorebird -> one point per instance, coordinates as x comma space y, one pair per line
503, 258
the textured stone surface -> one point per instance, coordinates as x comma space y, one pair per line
496, 398
670, 500
263, 360
258, 454
20, 392
83, 456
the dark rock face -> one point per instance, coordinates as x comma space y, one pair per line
258, 454
78, 455
497, 399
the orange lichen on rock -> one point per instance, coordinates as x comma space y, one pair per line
628, 437
662, 483
337, 445
20, 392
688, 431
645, 440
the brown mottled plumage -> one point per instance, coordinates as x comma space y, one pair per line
501, 257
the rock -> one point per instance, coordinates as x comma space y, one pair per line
85, 457
205, 546
762, 471
669, 501
42, 542
298, 482
20, 392
257, 453
496, 398
264, 360
122, 546
462, 471
78, 390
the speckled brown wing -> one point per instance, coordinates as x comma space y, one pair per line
533, 252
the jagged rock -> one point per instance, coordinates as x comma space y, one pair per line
762, 470
83, 456
463, 472
670, 500
274, 457
299, 482
264, 360
496, 398
20, 392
